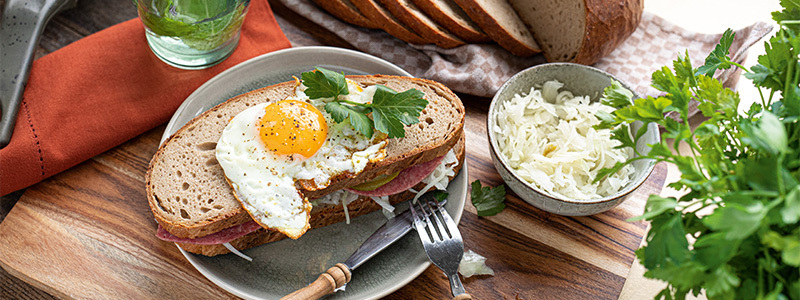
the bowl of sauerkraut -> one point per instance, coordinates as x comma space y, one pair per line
545, 147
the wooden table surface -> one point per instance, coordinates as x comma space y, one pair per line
64, 245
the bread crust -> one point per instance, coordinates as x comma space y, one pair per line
329, 215
467, 31
608, 24
495, 30
427, 28
347, 13
378, 14
392, 164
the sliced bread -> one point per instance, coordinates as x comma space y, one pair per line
346, 11
378, 14
322, 215
454, 19
411, 16
579, 31
499, 20
186, 187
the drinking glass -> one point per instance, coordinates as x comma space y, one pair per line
192, 34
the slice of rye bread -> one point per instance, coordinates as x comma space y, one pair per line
186, 187
579, 31
377, 13
346, 11
413, 17
499, 20
450, 16
322, 215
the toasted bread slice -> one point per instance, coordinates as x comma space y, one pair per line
414, 18
346, 11
322, 215
450, 16
186, 187
499, 20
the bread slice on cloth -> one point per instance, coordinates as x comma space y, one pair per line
414, 18
454, 19
378, 14
186, 187
579, 31
346, 11
499, 20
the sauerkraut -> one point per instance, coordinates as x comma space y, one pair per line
547, 137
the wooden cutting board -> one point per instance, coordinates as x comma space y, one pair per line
89, 233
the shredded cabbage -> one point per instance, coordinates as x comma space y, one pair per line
547, 137
341, 196
440, 177
388, 209
237, 252
473, 264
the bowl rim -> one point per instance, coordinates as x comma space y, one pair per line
490, 125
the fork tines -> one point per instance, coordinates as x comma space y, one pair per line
444, 228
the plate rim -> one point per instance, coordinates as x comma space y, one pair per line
172, 127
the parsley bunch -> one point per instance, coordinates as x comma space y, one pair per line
389, 109
735, 234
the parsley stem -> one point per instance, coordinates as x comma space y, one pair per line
354, 103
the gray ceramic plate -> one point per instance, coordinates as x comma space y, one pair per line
282, 267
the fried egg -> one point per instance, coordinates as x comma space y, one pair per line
266, 148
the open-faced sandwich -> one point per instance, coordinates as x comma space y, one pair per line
299, 155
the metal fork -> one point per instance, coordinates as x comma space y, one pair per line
441, 240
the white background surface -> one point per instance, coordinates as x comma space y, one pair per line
705, 16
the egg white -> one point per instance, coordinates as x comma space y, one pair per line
265, 183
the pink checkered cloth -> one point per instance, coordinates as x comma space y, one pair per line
480, 69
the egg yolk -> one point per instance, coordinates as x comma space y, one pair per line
291, 127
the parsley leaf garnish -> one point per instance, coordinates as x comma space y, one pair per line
488, 201
389, 109
324, 83
440, 195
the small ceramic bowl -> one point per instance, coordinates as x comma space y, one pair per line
580, 80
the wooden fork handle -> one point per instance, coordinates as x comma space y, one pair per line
326, 283
463, 296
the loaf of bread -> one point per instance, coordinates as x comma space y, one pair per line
579, 31
186, 187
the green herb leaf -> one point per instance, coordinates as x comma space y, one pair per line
737, 220
791, 206
323, 83
357, 118
488, 201
617, 96
718, 58
440, 195
666, 241
390, 110
655, 206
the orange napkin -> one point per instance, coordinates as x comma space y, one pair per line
105, 89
